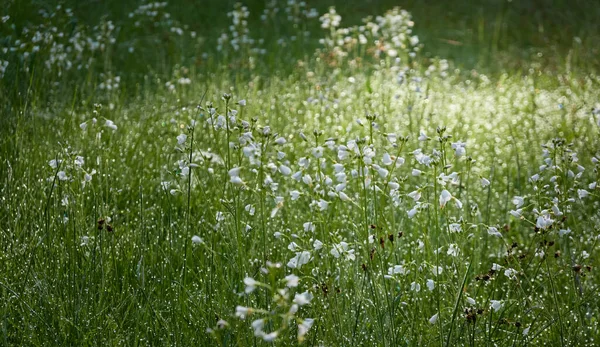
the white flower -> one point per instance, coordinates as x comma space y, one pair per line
585, 255
430, 284
471, 301
295, 195
286, 171
412, 212
563, 232
309, 226
258, 326
197, 240
291, 280
422, 158
242, 102
323, 205
343, 196
415, 195
453, 250
83, 126
582, 193
181, 139
317, 245
317, 152
414, 40
343, 153
382, 172
484, 182
518, 201
455, 228
459, 148
543, 222
393, 185
416, 172
445, 196
236, 180
342, 248
270, 337
54, 163
303, 299
397, 269
234, 172
415, 287
307, 179
556, 211
280, 141
110, 124
62, 176
242, 312
526, 331
79, 161
510, 273
494, 232
422, 136
516, 213
534, 178
185, 171
387, 159
300, 259
304, 327
496, 305
433, 319
250, 284
85, 240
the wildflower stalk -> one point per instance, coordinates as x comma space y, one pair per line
189, 197
226, 97
437, 254
557, 308
262, 197
456, 304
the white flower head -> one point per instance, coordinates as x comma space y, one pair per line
518, 201
292, 280
303, 328
496, 305
445, 196
300, 259
484, 182
251, 284
242, 312
197, 240
303, 298
110, 124
493, 231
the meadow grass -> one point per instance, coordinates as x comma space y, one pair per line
177, 174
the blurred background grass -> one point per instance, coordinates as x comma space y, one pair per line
491, 36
